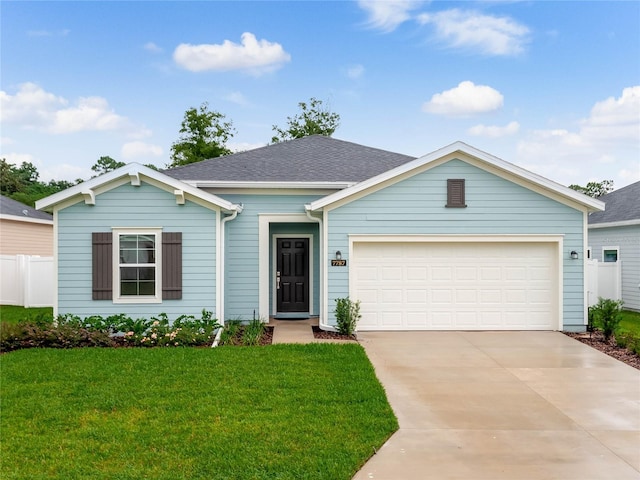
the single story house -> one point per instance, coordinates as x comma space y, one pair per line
24, 230
454, 240
614, 236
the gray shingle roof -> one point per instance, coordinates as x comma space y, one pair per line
309, 159
620, 206
8, 206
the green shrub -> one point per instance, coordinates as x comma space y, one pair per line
607, 315
51, 335
628, 340
253, 332
347, 315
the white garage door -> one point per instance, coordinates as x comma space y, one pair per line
456, 286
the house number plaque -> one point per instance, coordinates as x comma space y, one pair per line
338, 263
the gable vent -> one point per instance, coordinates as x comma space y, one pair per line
455, 193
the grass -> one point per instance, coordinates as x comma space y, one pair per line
278, 412
16, 314
630, 322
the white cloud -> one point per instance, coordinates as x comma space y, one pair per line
34, 108
615, 118
605, 144
152, 47
15, 158
244, 146
4, 141
355, 71
48, 33
464, 100
494, 131
237, 98
387, 15
253, 56
135, 150
487, 34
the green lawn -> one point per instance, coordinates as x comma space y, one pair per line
630, 322
15, 314
278, 412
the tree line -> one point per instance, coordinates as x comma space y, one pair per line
203, 134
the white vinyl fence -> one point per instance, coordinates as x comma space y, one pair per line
604, 279
26, 280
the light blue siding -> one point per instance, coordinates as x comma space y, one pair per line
242, 249
627, 239
494, 206
143, 206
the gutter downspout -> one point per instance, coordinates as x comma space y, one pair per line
307, 211
221, 271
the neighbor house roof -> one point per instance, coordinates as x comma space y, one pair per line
14, 210
134, 174
622, 208
473, 156
315, 159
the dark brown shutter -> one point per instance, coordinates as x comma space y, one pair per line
102, 265
455, 193
171, 265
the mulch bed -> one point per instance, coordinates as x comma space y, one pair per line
265, 339
596, 340
326, 335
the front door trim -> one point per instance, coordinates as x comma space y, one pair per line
265, 254
274, 293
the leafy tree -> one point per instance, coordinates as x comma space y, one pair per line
21, 183
594, 189
203, 135
106, 164
314, 119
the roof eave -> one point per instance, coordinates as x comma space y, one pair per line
134, 171
623, 223
269, 185
590, 203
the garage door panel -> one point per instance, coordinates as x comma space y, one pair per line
456, 285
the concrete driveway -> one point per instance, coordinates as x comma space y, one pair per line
504, 405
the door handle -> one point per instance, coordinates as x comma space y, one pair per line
277, 280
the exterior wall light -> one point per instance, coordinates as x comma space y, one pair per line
574, 255
338, 255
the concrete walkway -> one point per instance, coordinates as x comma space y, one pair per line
504, 405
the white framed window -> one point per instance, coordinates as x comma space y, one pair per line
610, 254
137, 265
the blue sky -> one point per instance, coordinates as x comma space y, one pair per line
553, 87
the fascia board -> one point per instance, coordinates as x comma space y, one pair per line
623, 223
270, 185
591, 204
132, 170
15, 218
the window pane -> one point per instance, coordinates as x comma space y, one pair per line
130, 273
128, 256
610, 256
146, 273
147, 288
128, 288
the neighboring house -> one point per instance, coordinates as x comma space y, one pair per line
614, 236
24, 230
456, 239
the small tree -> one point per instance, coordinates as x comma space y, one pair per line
607, 315
314, 119
106, 164
203, 135
347, 315
594, 189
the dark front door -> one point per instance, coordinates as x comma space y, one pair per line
292, 275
